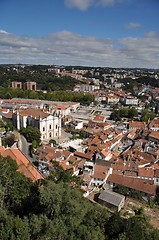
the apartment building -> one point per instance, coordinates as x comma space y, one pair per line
26, 86
17, 85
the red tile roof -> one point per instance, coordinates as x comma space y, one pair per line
100, 172
137, 125
35, 113
141, 185
146, 172
154, 134
99, 118
24, 166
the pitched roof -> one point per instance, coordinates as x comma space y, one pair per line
100, 172
7, 115
65, 165
154, 134
111, 197
99, 118
24, 166
154, 123
156, 173
146, 172
105, 153
139, 125
141, 185
35, 113
83, 155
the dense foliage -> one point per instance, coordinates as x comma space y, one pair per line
53, 210
31, 134
118, 114
65, 96
39, 74
128, 192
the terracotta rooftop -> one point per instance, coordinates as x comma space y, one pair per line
100, 172
154, 123
24, 166
141, 185
7, 115
156, 173
154, 134
65, 165
35, 113
138, 125
82, 155
146, 172
105, 153
99, 118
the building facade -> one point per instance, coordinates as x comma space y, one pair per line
49, 126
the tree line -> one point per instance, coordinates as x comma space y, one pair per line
64, 96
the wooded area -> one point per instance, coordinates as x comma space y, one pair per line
52, 209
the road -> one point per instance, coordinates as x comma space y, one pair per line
23, 145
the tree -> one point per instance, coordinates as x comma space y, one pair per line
114, 226
52, 141
145, 117
9, 140
132, 112
31, 134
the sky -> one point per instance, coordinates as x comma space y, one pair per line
102, 33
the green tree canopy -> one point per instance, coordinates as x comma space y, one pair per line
31, 134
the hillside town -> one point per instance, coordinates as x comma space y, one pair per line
111, 144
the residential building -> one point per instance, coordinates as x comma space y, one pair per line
146, 187
154, 124
86, 88
17, 85
154, 136
112, 99
100, 174
30, 86
135, 125
129, 100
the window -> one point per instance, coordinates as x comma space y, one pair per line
43, 129
50, 126
56, 126
50, 135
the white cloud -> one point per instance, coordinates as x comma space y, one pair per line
85, 4
72, 49
3, 31
133, 25
80, 4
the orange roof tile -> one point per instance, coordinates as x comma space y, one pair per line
142, 185
100, 171
138, 125
146, 172
154, 134
35, 113
24, 166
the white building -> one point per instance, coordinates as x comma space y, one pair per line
129, 100
86, 88
100, 174
49, 126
